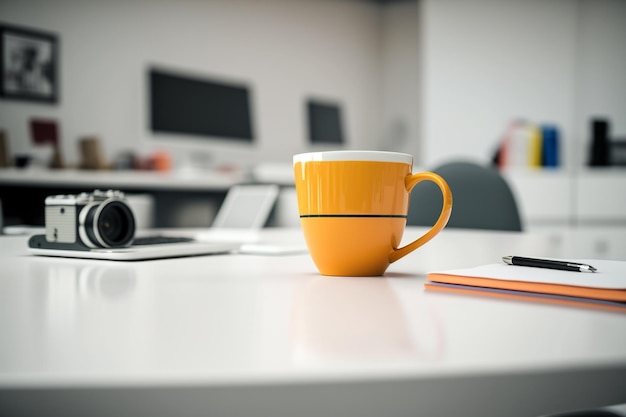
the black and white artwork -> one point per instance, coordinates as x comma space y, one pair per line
29, 64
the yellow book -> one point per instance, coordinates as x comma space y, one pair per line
534, 147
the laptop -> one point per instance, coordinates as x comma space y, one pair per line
244, 211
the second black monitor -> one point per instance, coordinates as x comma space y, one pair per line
325, 122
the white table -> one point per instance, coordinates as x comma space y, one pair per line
250, 335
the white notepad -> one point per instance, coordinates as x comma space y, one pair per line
610, 274
604, 289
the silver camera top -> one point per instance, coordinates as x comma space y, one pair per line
99, 219
84, 198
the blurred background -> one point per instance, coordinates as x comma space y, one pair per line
440, 79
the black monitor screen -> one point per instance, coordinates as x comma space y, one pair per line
324, 122
181, 104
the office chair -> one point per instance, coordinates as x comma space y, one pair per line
481, 198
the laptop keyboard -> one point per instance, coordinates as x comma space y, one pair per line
157, 240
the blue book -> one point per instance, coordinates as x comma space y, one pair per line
550, 151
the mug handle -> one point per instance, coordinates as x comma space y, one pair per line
446, 209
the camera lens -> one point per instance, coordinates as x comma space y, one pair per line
116, 224
110, 224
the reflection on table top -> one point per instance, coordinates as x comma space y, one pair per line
227, 320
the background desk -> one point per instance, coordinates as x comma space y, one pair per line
181, 199
249, 335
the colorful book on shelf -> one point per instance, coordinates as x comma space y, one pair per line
535, 147
603, 289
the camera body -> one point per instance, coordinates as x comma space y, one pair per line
101, 219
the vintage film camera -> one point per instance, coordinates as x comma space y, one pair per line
101, 219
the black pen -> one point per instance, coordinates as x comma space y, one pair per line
548, 263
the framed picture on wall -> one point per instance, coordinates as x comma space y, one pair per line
29, 69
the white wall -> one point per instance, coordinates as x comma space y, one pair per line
438, 78
487, 62
285, 49
400, 70
600, 69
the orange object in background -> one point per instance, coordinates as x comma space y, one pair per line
161, 161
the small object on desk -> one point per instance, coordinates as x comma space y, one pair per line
548, 263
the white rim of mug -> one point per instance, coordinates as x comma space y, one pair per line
377, 156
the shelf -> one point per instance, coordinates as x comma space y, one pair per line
148, 180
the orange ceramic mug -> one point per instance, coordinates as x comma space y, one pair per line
353, 208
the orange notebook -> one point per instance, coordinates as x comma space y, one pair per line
603, 289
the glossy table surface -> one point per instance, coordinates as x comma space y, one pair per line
254, 320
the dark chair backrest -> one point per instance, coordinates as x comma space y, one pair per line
482, 199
